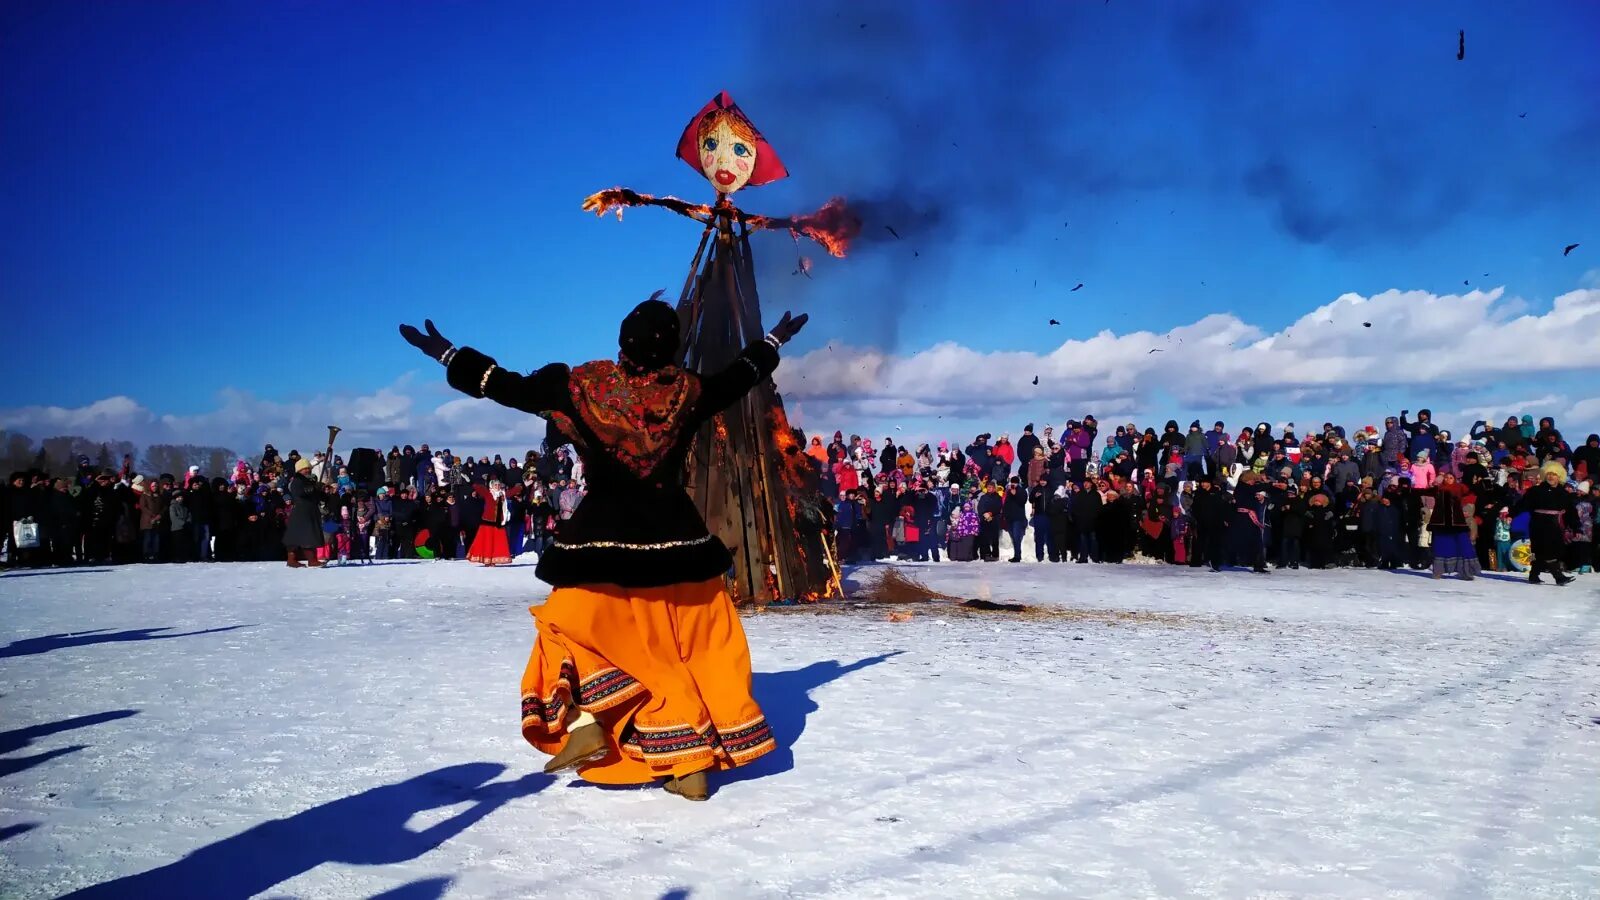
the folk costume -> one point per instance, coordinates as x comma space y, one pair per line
490, 546
1451, 527
641, 670
1550, 506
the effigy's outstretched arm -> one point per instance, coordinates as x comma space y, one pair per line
616, 199
833, 226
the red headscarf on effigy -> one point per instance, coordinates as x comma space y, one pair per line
767, 167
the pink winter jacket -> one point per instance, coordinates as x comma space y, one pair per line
1423, 475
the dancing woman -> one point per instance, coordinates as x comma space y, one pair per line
490, 546
641, 670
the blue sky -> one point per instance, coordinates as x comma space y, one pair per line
215, 215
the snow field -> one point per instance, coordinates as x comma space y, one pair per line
1327, 734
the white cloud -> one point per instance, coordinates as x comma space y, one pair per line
1483, 346
245, 423
1414, 338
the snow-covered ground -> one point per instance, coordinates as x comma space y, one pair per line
232, 730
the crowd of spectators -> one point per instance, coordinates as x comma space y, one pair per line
1378, 498
415, 503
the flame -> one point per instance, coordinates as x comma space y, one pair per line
833, 226
792, 464
795, 470
619, 198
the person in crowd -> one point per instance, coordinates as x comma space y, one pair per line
848, 516
1423, 471
964, 529
1039, 516
1247, 525
490, 545
152, 515
303, 536
179, 522
1550, 506
570, 498
1289, 513
1014, 511
1004, 459
1581, 549
991, 510
1451, 528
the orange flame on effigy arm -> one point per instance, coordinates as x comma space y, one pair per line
619, 198
833, 226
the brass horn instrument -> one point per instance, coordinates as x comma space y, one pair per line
329, 476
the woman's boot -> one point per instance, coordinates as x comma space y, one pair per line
690, 787
585, 743
294, 559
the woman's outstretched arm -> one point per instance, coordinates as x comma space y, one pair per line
478, 375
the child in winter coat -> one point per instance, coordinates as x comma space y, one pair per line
1423, 472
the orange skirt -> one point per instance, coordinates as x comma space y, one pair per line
665, 670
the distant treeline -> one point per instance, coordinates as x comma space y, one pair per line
60, 456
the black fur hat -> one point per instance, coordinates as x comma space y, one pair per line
649, 335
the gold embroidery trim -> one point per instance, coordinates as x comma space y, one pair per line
483, 384
621, 545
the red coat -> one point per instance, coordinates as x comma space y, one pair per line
493, 509
846, 476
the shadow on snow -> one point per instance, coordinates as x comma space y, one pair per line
365, 829
62, 571
49, 642
785, 698
11, 741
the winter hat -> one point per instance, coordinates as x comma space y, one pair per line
649, 335
138, 484
1422, 455
304, 465
1553, 466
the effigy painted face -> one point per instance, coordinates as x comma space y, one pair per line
727, 150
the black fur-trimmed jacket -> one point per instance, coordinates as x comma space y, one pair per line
636, 526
